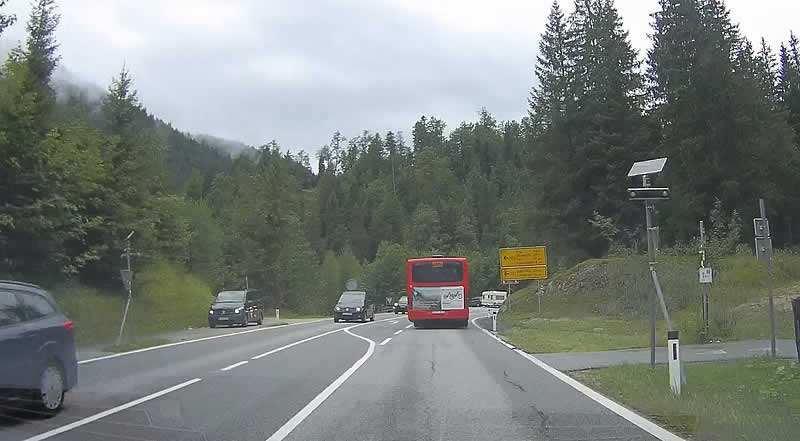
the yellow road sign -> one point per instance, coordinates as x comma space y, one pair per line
524, 273
529, 256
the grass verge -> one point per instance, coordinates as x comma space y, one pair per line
753, 399
603, 304
165, 299
132, 346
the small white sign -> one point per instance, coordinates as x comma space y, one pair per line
706, 275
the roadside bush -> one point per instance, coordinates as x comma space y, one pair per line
96, 315
167, 299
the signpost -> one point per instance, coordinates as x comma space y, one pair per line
522, 263
126, 282
706, 276
523, 273
650, 195
526, 263
764, 253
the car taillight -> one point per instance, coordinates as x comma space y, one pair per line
67, 325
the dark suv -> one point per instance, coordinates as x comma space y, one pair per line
237, 308
37, 346
353, 305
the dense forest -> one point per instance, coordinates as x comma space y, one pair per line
78, 175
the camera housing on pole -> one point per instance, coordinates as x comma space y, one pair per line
649, 194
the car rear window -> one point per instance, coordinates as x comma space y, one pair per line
437, 272
10, 309
35, 306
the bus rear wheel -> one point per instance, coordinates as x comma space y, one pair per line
418, 325
463, 324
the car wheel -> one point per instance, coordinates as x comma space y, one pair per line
50, 396
244, 321
372, 318
417, 325
212, 325
260, 319
335, 320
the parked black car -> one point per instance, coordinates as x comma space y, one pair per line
353, 305
237, 308
475, 302
37, 347
401, 305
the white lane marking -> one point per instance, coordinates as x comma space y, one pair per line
313, 337
152, 348
105, 413
290, 425
385, 341
398, 332
394, 322
502, 342
235, 365
643, 423
409, 326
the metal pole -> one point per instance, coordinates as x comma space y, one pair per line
539, 295
705, 290
769, 287
508, 296
130, 290
648, 207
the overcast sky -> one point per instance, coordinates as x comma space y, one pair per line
296, 71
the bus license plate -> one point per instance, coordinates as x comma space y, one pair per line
437, 312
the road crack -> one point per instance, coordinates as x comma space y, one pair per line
510, 381
544, 428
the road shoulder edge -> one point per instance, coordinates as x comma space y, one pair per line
620, 410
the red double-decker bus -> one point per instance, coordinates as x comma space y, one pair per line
438, 291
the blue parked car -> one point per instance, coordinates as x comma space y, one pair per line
37, 347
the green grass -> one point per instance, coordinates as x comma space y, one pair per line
165, 299
140, 344
754, 399
603, 304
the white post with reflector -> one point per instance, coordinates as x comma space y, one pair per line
277, 314
493, 314
674, 362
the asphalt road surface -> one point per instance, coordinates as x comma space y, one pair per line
323, 381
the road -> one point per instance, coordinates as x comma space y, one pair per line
323, 381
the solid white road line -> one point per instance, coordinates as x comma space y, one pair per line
409, 326
235, 365
394, 322
502, 342
97, 416
385, 341
290, 425
152, 348
313, 337
398, 332
638, 420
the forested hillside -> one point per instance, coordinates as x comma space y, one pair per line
78, 175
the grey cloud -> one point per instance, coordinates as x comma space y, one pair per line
297, 71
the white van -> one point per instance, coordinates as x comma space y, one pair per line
493, 299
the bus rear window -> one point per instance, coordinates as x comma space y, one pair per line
437, 272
